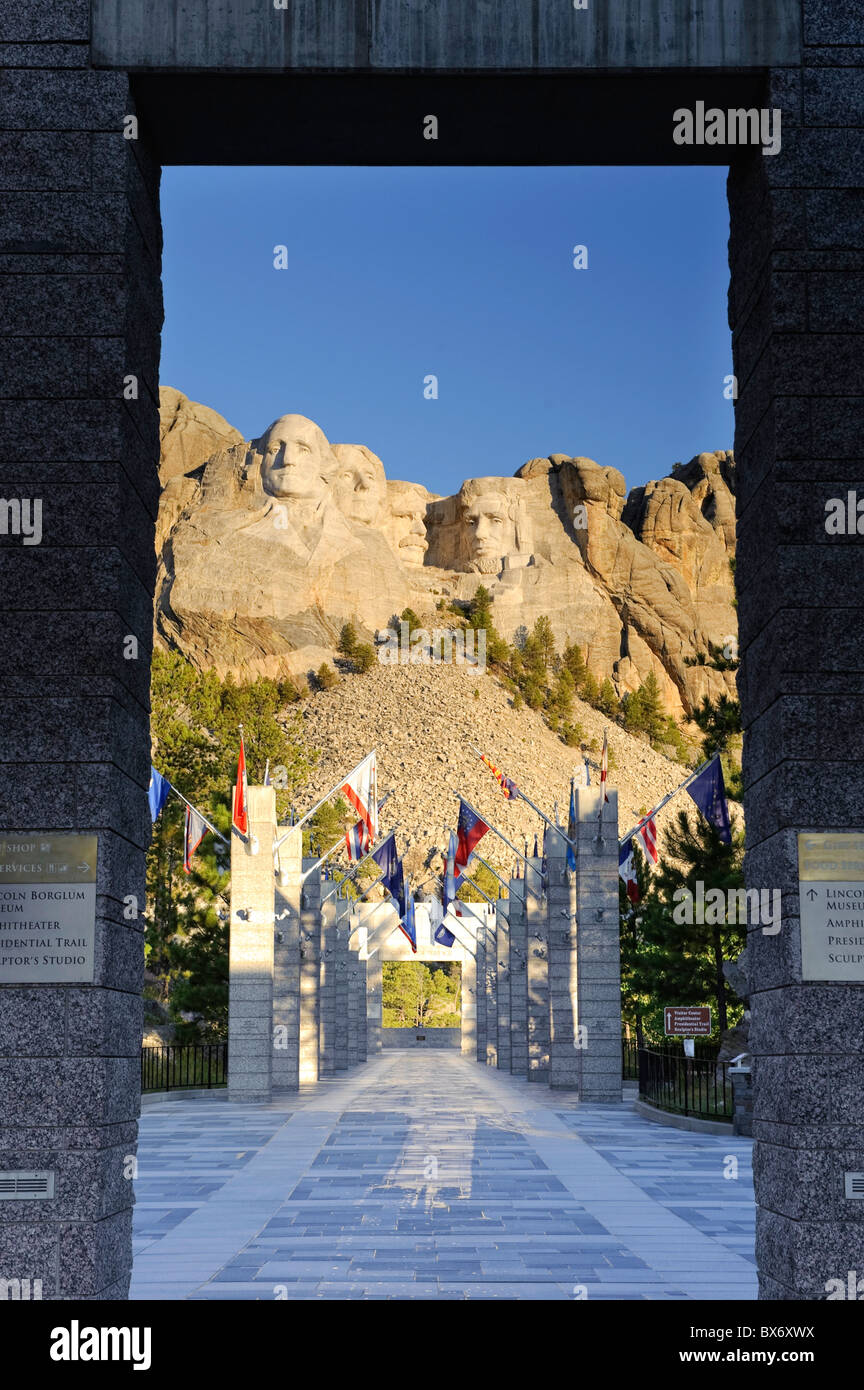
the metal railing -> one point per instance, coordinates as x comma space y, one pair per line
184, 1067
685, 1085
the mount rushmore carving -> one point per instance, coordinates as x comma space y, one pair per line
267, 546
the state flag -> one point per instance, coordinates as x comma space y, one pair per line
444, 936
470, 830
361, 789
604, 765
196, 829
627, 870
240, 805
708, 790
507, 785
407, 923
157, 792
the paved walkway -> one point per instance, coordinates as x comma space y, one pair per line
424, 1175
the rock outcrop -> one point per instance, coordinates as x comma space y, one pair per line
268, 546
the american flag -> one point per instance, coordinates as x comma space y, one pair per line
507, 785
647, 833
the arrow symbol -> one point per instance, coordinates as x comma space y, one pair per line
85, 867
812, 893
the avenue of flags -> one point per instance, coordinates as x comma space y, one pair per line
705, 787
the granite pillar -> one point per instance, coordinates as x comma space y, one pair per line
250, 952
796, 303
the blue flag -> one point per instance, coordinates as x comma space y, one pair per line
444, 936
388, 861
708, 790
407, 923
571, 829
157, 793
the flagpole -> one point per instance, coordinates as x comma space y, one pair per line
492, 871
318, 804
216, 832
490, 901
661, 804
497, 832
521, 795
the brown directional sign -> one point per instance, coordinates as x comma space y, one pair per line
684, 1022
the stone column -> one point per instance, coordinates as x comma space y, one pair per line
478, 930
327, 983
286, 968
374, 1015
518, 980
344, 965
310, 973
467, 948
80, 311
584, 961
537, 974
598, 958
250, 953
502, 990
795, 307
491, 992
356, 966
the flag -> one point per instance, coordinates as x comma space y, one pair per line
444, 936
508, 787
647, 833
361, 789
358, 841
470, 830
392, 876
451, 881
157, 792
239, 811
266, 782
604, 765
627, 870
536, 847
708, 790
407, 923
571, 830
196, 829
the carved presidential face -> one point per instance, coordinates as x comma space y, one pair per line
360, 488
406, 527
490, 530
297, 462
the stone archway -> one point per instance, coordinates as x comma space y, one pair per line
80, 244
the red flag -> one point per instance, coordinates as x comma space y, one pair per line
239, 816
507, 785
604, 765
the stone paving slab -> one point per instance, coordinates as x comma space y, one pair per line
430, 1177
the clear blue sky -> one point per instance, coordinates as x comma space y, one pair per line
465, 273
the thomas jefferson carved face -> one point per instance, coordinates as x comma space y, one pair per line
406, 529
297, 462
360, 488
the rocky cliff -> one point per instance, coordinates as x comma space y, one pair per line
268, 546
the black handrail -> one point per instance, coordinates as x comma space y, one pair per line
184, 1066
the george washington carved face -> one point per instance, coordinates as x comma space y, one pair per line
297, 462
